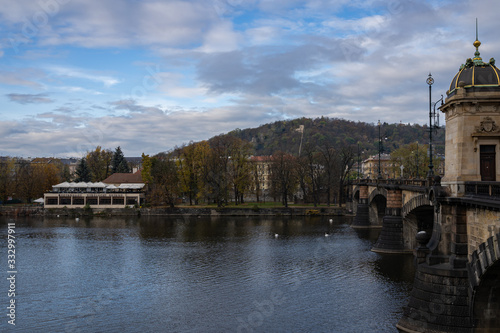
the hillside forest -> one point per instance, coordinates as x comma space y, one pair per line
301, 160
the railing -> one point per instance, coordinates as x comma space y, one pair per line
392, 181
483, 189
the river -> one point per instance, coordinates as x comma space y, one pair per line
200, 274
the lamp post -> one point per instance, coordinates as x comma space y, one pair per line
432, 123
359, 162
418, 176
379, 150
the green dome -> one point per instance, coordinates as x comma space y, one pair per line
476, 75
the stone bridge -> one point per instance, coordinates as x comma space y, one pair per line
456, 244
403, 204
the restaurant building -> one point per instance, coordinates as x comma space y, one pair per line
119, 190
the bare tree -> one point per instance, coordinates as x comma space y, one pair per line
284, 176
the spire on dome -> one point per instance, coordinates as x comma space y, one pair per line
478, 61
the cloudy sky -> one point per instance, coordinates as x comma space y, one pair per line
148, 75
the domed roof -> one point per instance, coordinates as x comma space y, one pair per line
476, 75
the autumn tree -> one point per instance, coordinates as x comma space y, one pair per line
34, 179
214, 174
26, 183
328, 160
345, 162
146, 169
187, 167
283, 175
413, 157
239, 167
7, 173
310, 160
48, 174
303, 176
164, 187
99, 163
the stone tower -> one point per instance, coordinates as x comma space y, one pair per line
472, 112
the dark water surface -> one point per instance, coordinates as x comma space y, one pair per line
201, 275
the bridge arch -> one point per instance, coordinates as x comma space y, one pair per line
414, 203
418, 215
484, 277
377, 202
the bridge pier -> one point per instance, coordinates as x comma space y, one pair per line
362, 218
391, 238
439, 300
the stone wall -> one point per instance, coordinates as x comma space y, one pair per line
481, 225
40, 211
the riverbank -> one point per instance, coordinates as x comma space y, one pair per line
176, 211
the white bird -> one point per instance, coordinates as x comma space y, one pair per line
331, 220
276, 235
57, 215
77, 219
327, 234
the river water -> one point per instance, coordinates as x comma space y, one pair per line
195, 274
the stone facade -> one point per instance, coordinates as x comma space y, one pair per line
481, 225
472, 121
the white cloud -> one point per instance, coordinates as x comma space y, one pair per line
227, 64
221, 38
107, 81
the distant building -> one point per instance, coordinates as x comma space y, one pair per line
369, 168
70, 163
135, 163
119, 190
261, 175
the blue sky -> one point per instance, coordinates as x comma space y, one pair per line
152, 75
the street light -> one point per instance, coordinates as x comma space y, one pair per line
359, 162
418, 176
379, 150
432, 123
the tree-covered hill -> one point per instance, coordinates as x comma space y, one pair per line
286, 136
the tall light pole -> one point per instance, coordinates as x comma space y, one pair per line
359, 162
430, 81
433, 118
379, 150
418, 176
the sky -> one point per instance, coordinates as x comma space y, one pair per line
151, 75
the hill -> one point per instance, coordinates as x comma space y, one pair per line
285, 135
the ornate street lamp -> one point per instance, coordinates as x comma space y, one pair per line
379, 150
418, 176
359, 162
432, 123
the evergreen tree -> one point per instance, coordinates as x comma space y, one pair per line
82, 171
119, 163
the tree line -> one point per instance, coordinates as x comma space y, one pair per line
26, 180
221, 171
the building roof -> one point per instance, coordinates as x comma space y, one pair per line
99, 185
476, 75
42, 160
124, 178
260, 158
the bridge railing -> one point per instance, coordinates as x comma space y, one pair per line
483, 189
392, 181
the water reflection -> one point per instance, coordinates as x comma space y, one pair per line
190, 274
